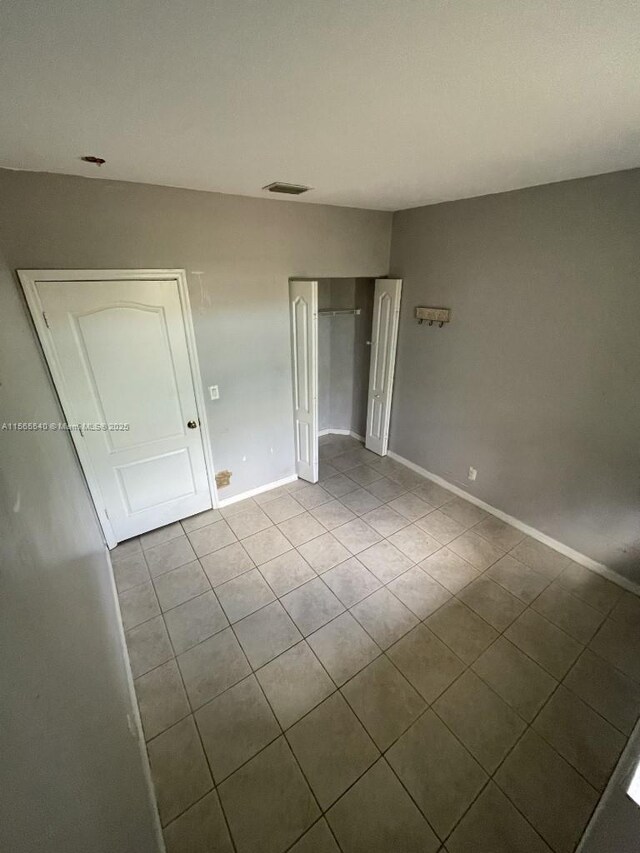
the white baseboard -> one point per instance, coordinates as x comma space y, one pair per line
331, 431
253, 492
576, 556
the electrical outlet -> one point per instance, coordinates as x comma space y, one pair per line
214, 393
472, 473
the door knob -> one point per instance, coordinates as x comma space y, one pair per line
192, 424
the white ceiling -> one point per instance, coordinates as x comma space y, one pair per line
375, 103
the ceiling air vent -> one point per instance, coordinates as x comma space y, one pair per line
289, 189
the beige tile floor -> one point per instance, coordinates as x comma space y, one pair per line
373, 664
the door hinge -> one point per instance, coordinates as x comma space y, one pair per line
46, 322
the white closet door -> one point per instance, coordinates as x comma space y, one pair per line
303, 301
384, 339
119, 355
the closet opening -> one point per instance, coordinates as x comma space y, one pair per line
343, 344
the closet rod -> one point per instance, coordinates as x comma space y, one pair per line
330, 313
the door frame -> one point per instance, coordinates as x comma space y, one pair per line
29, 280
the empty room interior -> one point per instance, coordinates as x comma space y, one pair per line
320, 420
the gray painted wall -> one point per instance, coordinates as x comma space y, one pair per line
535, 382
239, 254
71, 775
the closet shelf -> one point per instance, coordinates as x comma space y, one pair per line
330, 313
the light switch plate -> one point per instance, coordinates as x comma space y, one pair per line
214, 393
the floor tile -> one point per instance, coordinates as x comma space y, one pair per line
587, 741
414, 543
411, 506
312, 496
343, 647
339, 485
312, 605
540, 557
591, 588
619, 644
419, 592
432, 493
211, 667
356, 535
266, 545
324, 552
286, 572
385, 561
226, 563
439, 773
493, 603
271, 494
326, 471
265, 817
161, 535
568, 612
283, 508
319, 839
201, 829
500, 534
426, 662
253, 520
211, 538
138, 604
266, 634
493, 825
384, 701
295, 682
554, 650
476, 550
463, 512
449, 569
361, 501
518, 579
181, 584
609, 692
237, 507
555, 799
301, 528
129, 548
169, 555
479, 718
386, 489
384, 618
235, 726
195, 522
351, 581
244, 595
462, 630
179, 769
627, 609
130, 570
522, 684
377, 815
363, 475
161, 698
148, 646
332, 748
332, 514
385, 520
441, 527
347, 461
194, 621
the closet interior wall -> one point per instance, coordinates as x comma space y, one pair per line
344, 353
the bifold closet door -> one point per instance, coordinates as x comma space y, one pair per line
303, 304
384, 339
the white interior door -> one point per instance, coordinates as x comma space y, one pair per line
384, 340
120, 357
303, 302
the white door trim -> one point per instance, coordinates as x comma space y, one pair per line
29, 279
